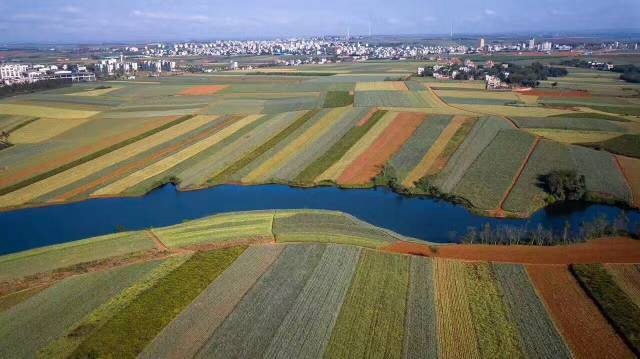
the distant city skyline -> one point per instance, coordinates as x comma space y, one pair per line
90, 22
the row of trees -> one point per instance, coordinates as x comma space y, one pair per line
629, 73
22, 88
529, 75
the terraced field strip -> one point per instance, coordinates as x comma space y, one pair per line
44, 129
381, 86
139, 164
249, 157
45, 259
66, 344
320, 146
219, 230
363, 143
313, 133
456, 334
501, 161
32, 324
190, 330
627, 277
574, 137
73, 174
538, 336
249, 329
482, 133
369, 163
93, 92
420, 333
495, 329
225, 130
434, 152
42, 111
579, 320
478, 94
344, 144
327, 227
521, 111
616, 305
130, 330
59, 162
630, 169
451, 147
306, 330
371, 321
519, 173
602, 174
414, 149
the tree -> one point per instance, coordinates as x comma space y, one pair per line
565, 185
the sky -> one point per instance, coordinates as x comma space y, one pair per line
103, 21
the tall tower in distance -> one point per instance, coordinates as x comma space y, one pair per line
532, 44
482, 43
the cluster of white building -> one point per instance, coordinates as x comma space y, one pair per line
23, 73
112, 66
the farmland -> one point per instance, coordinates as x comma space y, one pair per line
339, 124
313, 289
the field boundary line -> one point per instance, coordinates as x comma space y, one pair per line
626, 178
159, 244
512, 121
517, 178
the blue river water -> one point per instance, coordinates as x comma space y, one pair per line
423, 218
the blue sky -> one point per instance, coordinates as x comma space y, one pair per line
91, 21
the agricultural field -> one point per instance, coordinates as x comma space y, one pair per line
339, 124
314, 290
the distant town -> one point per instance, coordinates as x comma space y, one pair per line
158, 59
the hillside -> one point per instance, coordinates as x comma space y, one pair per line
302, 283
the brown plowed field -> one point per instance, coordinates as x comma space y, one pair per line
583, 327
409, 248
613, 250
366, 118
203, 90
370, 162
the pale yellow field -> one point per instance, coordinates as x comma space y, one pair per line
513, 110
92, 93
494, 95
42, 111
437, 110
262, 172
529, 100
44, 129
333, 172
456, 334
569, 136
457, 84
40, 188
381, 86
430, 97
136, 82
171, 161
436, 149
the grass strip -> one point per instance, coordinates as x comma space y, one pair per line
91, 156
619, 309
22, 124
338, 150
338, 99
291, 73
421, 336
371, 322
597, 115
248, 158
128, 332
626, 145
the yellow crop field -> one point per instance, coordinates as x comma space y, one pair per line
529, 100
513, 110
569, 136
456, 334
43, 111
457, 84
434, 152
40, 188
495, 95
333, 172
44, 129
381, 86
171, 161
274, 163
92, 93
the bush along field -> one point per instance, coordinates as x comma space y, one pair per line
317, 284
358, 126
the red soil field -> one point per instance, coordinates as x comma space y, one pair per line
58, 160
611, 250
366, 118
578, 319
369, 163
203, 90
134, 166
409, 248
630, 168
555, 94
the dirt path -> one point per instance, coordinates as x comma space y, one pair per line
159, 245
626, 178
